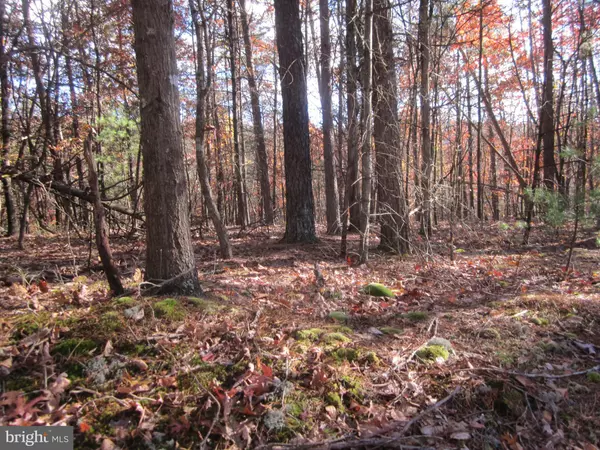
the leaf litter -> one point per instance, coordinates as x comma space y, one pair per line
287, 349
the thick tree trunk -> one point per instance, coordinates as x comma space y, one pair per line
259, 132
332, 206
390, 196
203, 84
300, 219
101, 228
169, 253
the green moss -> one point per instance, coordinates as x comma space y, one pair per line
345, 354
203, 376
334, 399
21, 382
391, 330
415, 316
338, 316
30, 323
432, 352
340, 329
331, 338
353, 386
371, 358
76, 347
169, 308
506, 359
74, 371
539, 321
594, 377
206, 305
125, 301
311, 334
377, 290
111, 321
490, 333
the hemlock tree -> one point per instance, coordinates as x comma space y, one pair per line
300, 218
169, 253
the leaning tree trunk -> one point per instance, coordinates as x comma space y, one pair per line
169, 252
259, 132
203, 85
101, 228
300, 219
390, 195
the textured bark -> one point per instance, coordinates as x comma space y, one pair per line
352, 181
547, 110
300, 220
332, 206
239, 178
169, 253
390, 195
367, 120
426, 152
203, 84
11, 213
259, 132
100, 226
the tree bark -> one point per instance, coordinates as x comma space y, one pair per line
11, 213
390, 195
547, 110
169, 252
259, 132
332, 206
203, 84
426, 153
366, 125
239, 179
300, 221
101, 228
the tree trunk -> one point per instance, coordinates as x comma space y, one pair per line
426, 153
169, 252
300, 221
259, 132
367, 119
390, 195
11, 213
239, 179
101, 228
332, 206
547, 110
352, 181
203, 84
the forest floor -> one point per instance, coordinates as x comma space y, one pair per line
498, 349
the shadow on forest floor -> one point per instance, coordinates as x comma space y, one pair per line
492, 350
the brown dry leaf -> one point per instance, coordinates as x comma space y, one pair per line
331, 412
139, 364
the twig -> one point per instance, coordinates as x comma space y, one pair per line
429, 410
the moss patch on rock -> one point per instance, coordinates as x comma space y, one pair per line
593, 377
332, 338
377, 290
126, 302
391, 331
345, 354
205, 305
431, 353
310, 334
489, 333
170, 309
